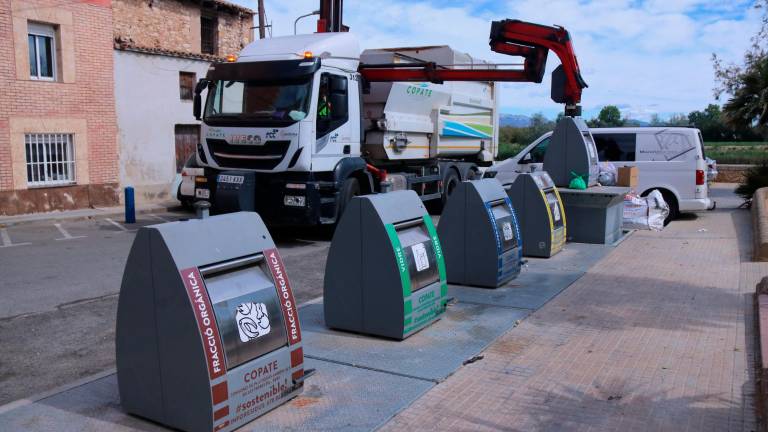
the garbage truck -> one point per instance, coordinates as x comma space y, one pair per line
294, 127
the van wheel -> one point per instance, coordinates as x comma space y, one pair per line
349, 190
674, 209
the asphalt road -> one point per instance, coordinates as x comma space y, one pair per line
59, 286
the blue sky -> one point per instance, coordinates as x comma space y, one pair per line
645, 56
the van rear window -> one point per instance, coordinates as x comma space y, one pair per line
617, 147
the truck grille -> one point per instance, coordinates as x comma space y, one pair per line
262, 157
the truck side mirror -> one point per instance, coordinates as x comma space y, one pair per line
338, 84
339, 109
197, 101
526, 159
197, 105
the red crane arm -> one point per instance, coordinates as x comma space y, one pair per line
512, 37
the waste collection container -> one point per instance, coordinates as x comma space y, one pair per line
385, 273
540, 213
595, 214
571, 150
480, 235
208, 334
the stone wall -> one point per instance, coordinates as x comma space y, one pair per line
174, 25
731, 173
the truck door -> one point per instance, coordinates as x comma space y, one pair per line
335, 135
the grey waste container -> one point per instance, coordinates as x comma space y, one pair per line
208, 335
595, 215
571, 149
540, 213
480, 235
385, 274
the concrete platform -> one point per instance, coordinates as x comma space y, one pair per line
361, 381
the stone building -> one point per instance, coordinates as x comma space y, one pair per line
96, 95
162, 47
58, 132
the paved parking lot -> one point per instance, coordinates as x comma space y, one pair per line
59, 286
66, 331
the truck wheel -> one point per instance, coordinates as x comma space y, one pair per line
450, 182
350, 189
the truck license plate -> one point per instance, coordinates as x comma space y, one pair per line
294, 201
234, 179
202, 193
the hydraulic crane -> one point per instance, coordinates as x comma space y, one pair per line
511, 37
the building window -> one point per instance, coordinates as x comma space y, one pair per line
42, 51
50, 159
208, 35
187, 85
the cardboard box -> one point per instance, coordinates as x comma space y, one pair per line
627, 177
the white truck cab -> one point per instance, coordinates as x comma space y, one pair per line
670, 159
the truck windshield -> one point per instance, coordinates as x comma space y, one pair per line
268, 103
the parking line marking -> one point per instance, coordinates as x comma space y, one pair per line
66, 235
154, 216
122, 228
7, 239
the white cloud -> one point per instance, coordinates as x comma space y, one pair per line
652, 56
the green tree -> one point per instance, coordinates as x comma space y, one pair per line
747, 84
749, 104
610, 116
710, 123
678, 119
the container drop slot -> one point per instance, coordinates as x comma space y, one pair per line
419, 254
247, 309
556, 211
505, 225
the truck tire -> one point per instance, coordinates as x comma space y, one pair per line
349, 189
450, 182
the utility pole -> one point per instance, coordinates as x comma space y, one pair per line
262, 24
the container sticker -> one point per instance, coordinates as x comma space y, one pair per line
420, 256
287, 302
507, 229
556, 211
206, 324
402, 266
438, 253
252, 320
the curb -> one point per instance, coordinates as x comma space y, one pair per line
88, 213
760, 224
761, 354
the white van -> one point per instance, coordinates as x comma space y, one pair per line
670, 159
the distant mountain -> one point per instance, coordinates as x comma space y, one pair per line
514, 120
636, 123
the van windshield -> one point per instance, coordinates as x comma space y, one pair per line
258, 103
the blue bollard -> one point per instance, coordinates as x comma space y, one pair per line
130, 206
